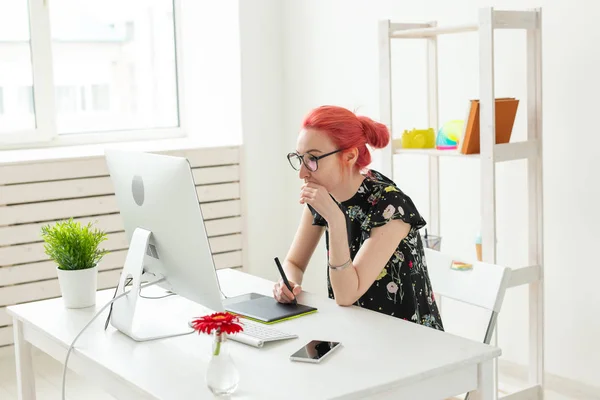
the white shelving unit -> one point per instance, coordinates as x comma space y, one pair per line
489, 20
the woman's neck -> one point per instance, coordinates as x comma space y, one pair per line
348, 188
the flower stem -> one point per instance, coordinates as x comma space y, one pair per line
218, 340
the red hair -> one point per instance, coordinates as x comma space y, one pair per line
347, 130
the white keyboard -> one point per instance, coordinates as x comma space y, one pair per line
256, 334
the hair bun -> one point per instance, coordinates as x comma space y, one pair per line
377, 134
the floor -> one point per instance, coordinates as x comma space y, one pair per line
49, 377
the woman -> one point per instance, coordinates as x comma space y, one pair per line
375, 253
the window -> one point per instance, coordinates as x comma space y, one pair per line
104, 69
100, 97
66, 100
16, 77
25, 100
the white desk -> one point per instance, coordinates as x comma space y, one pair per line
382, 357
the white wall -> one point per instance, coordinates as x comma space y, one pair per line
330, 56
266, 232
211, 67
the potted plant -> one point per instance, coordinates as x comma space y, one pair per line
75, 250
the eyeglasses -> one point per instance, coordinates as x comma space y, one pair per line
310, 162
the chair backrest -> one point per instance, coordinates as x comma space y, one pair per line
484, 285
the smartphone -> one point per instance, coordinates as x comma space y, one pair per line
315, 351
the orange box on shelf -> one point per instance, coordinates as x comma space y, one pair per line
506, 111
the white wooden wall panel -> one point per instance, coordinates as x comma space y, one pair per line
35, 194
6, 335
5, 319
56, 190
221, 209
29, 253
23, 273
89, 167
30, 233
55, 210
19, 213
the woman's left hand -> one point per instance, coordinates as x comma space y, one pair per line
318, 198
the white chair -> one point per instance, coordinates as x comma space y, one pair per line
483, 286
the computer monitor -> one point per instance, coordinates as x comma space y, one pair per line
163, 222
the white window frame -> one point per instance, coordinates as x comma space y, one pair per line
46, 133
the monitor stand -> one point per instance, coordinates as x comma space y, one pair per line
161, 321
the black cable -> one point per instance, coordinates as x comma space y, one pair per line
222, 293
111, 305
140, 295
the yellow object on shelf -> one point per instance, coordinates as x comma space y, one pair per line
418, 139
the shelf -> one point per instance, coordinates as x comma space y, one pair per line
513, 19
435, 153
515, 151
501, 20
502, 152
524, 275
530, 272
421, 33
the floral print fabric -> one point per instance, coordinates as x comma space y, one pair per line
403, 288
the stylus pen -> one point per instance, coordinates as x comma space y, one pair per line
285, 280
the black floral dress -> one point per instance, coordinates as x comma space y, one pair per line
403, 288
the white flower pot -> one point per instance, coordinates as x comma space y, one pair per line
78, 287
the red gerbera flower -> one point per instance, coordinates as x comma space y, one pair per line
222, 322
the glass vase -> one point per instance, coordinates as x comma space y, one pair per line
222, 376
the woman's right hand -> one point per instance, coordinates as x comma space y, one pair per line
283, 295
